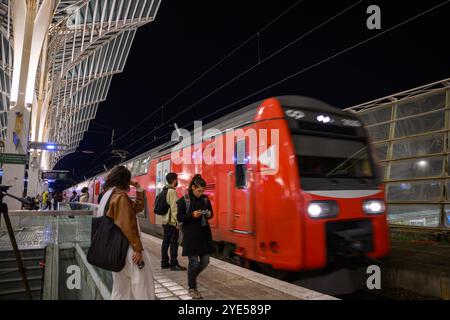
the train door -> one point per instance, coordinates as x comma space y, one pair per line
239, 185
162, 169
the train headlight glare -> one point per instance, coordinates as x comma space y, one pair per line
322, 209
374, 206
314, 210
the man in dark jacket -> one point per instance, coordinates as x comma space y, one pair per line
194, 211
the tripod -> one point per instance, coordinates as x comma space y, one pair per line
4, 212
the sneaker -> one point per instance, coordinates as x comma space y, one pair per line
165, 267
177, 268
195, 294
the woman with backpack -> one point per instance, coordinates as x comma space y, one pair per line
194, 211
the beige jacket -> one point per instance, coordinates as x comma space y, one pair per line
123, 211
171, 216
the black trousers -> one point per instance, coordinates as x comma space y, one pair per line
170, 240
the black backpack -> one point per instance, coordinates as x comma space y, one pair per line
161, 205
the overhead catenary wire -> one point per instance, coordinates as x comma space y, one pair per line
304, 70
206, 72
247, 71
312, 66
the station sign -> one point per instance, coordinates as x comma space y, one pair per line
55, 175
12, 158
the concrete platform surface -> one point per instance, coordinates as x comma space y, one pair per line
222, 281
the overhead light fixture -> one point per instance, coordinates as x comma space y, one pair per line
48, 146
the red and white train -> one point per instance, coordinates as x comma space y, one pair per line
322, 199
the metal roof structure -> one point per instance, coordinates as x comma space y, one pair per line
88, 43
428, 88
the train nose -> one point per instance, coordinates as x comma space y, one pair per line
349, 238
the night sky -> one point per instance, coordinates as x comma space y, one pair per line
189, 37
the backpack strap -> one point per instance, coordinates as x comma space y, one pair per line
187, 199
170, 209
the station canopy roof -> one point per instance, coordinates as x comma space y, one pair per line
88, 43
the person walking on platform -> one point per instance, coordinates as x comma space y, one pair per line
135, 280
170, 226
194, 211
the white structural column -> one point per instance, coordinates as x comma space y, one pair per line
72, 48
30, 27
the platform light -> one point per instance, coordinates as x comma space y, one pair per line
422, 163
322, 209
374, 206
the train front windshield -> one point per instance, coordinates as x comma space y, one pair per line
332, 151
332, 158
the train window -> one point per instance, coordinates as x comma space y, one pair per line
128, 165
135, 168
143, 167
162, 169
241, 170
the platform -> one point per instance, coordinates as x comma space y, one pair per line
222, 281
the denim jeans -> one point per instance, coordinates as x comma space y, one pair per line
195, 267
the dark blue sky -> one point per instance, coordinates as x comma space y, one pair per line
188, 37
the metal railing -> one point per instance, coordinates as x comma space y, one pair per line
66, 234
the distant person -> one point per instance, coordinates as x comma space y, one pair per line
50, 201
135, 280
72, 202
57, 199
37, 202
45, 200
74, 197
194, 211
170, 226
84, 197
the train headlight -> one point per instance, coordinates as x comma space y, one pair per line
374, 206
322, 209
